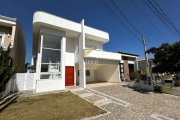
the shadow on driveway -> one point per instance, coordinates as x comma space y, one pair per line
137, 89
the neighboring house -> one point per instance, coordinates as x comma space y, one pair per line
142, 63
12, 32
128, 64
67, 53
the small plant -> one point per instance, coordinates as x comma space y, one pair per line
158, 88
135, 75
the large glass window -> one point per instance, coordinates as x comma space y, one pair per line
51, 57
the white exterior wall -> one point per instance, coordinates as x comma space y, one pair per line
49, 85
76, 51
91, 77
70, 50
88, 78
135, 65
44, 85
109, 73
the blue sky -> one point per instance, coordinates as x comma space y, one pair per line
98, 17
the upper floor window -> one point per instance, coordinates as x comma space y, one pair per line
90, 46
1, 38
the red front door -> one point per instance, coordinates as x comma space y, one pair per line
69, 76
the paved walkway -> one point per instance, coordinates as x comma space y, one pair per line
128, 104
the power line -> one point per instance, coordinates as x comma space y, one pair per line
125, 17
117, 18
166, 16
148, 20
159, 18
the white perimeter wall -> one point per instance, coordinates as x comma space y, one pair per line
70, 50
24, 81
109, 73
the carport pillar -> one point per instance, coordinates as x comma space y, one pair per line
82, 67
82, 74
135, 65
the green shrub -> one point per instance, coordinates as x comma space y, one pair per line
7, 68
135, 75
158, 88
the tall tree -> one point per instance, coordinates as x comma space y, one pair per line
7, 68
166, 58
27, 66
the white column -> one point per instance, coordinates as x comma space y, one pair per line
39, 55
135, 65
75, 74
63, 49
119, 73
82, 67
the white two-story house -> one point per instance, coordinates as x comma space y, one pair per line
67, 53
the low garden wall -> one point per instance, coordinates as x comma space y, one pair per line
140, 84
19, 82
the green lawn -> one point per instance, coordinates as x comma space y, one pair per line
57, 106
167, 89
163, 89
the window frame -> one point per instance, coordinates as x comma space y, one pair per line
2, 34
91, 46
42, 63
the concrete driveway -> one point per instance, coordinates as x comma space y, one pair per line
144, 105
99, 84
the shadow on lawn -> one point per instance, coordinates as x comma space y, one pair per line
7, 103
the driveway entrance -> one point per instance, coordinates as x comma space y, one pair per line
100, 84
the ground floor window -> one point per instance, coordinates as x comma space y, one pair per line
121, 69
131, 68
1, 38
87, 73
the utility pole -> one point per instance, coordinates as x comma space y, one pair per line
147, 63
